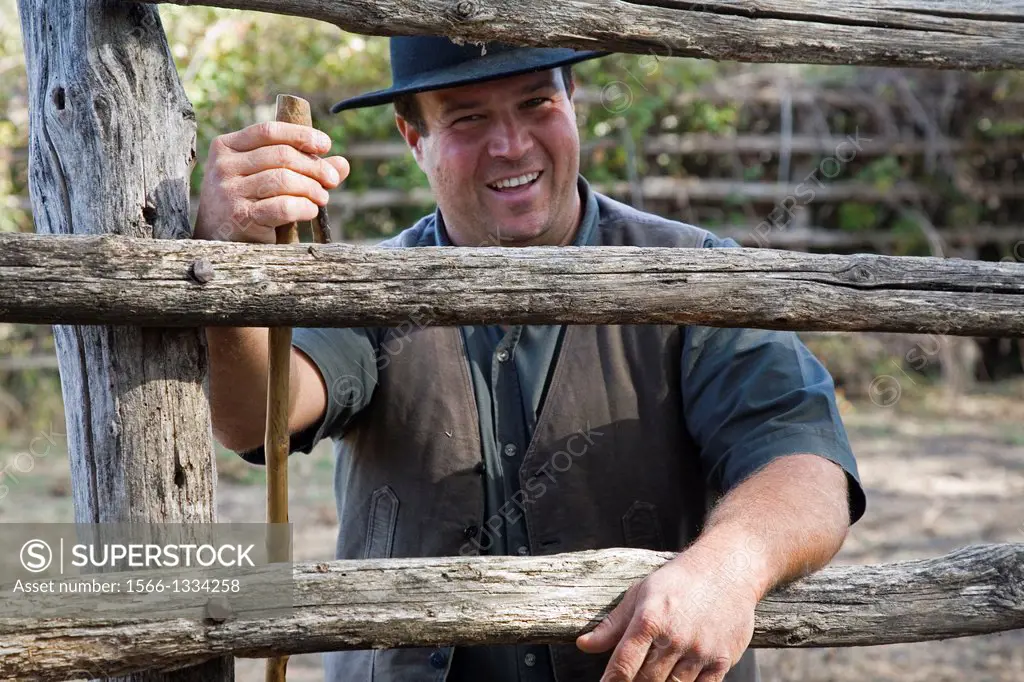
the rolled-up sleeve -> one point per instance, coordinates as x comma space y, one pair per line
347, 360
751, 396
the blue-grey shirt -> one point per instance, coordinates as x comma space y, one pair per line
755, 392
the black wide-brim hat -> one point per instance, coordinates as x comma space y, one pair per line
421, 63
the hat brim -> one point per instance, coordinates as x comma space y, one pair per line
488, 67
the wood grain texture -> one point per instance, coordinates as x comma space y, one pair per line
939, 34
111, 149
120, 280
498, 600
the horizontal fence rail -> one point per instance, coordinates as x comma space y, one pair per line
801, 238
683, 190
709, 143
767, 235
500, 600
707, 190
120, 280
923, 33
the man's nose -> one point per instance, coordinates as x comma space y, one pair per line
509, 139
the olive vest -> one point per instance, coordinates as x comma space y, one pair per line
610, 465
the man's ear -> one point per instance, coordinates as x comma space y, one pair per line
569, 85
412, 137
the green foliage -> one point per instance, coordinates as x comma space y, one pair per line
910, 238
13, 118
29, 399
854, 216
1013, 127
635, 95
883, 172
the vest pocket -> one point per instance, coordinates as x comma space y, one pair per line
380, 529
641, 528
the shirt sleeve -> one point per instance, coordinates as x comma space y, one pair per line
347, 360
754, 395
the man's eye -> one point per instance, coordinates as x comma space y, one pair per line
468, 119
537, 101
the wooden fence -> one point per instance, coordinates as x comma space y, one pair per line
501, 600
928, 33
111, 153
117, 280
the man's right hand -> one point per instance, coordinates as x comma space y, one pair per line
266, 175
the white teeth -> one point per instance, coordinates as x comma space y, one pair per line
516, 181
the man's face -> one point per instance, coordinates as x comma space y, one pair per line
502, 159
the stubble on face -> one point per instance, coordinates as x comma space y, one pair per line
510, 130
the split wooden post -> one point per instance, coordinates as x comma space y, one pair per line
112, 141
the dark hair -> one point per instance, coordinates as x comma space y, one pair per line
408, 107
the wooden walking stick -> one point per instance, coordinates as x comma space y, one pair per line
276, 441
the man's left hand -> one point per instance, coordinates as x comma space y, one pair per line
690, 620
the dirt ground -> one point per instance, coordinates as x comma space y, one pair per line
939, 474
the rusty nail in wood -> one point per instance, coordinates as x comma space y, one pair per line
218, 609
202, 271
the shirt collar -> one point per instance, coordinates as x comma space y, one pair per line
585, 234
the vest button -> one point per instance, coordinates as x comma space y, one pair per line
471, 531
502, 355
523, 550
530, 659
480, 468
438, 659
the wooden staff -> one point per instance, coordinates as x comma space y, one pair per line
276, 442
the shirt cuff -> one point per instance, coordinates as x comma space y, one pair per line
734, 467
303, 442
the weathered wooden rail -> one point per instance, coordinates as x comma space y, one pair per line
930, 33
689, 189
822, 238
120, 280
495, 600
714, 190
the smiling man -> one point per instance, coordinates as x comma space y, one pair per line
513, 188
725, 445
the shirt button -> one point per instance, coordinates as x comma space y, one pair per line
502, 355
530, 659
523, 550
438, 659
510, 449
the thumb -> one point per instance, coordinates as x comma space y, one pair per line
608, 632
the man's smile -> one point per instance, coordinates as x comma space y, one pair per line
515, 183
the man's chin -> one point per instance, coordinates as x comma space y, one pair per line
518, 233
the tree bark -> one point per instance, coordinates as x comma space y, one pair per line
937, 34
500, 600
112, 143
119, 280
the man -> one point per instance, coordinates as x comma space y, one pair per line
723, 444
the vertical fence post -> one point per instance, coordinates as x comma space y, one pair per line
112, 144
